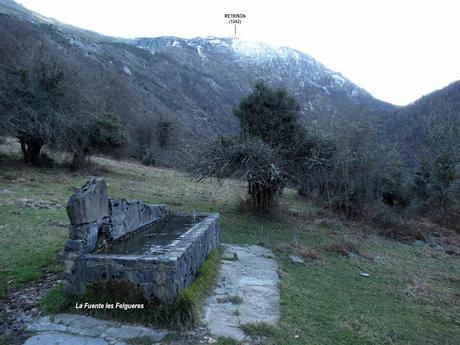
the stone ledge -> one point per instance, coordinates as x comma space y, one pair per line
69, 329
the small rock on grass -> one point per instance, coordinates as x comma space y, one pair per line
6, 191
296, 259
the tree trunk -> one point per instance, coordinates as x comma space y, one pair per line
25, 154
78, 161
31, 149
264, 196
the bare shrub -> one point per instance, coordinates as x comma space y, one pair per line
252, 160
298, 249
308, 253
345, 247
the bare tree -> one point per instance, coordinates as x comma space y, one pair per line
32, 108
437, 153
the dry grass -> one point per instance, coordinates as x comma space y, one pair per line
348, 248
298, 249
308, 253
293, 211
10, 147
136, 179
427, 231
420, 290
428, 290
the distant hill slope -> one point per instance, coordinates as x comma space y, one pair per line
406, 125
190, 82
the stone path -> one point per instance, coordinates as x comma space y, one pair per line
68, 329
251, 273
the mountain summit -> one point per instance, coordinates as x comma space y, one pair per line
188, 82
228, 67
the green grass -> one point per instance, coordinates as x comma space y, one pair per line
412, 295
329, 302
55, 301
171, 337
235, 299
259, 329
226, 341
30, 238
140, 341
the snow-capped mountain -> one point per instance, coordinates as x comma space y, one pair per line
189, 82
253, 53
232, 65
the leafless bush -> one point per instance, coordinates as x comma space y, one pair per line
297, 249
348, 168
347, 247
252, 160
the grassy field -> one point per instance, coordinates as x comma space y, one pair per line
411, 296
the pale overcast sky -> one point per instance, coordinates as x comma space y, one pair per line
398, 50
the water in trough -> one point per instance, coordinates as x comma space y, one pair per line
154, 239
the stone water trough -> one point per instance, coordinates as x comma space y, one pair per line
150, 246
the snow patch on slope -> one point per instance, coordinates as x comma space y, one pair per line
339, 80
127, 70
198, 49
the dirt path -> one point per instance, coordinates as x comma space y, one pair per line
20, 307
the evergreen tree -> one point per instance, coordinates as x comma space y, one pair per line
271, 115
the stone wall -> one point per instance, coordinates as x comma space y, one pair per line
96, 220
126, 216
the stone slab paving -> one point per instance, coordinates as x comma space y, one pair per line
58, 338
69, 329
252, 274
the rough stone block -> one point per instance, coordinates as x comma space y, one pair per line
127, 216
89, 204
117, 216
146, 214
82, 232
133, 215
69, 261
158, 211
74, 245
86, 244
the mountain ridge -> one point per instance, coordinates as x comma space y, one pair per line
194, 83
250, 60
